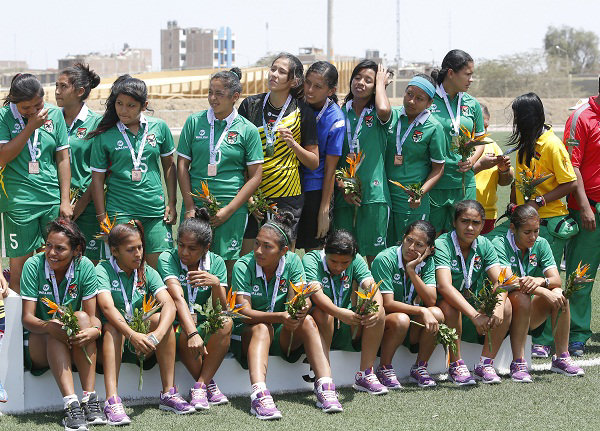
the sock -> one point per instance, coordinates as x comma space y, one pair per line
319, 383
483, 358
69, 399
85, 396
258, 387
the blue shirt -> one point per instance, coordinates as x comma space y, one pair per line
330, 135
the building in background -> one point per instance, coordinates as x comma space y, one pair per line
196, 48
129, 60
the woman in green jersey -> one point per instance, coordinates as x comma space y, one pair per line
125, 282
130, 146
67, 278
193, 275
73, 87
463, 261
36, 174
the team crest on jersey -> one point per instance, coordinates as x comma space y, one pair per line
255, 289
49, 126
72, 291
324, 280
454, 263
477, 263
181, 278
231, 137
345, 278
417, 136
379, 241
233, 245
369, 120
141, 287
46, 287
283, 285
464, 109
17, 128
533, 259
81, 132
376, 183
151, 139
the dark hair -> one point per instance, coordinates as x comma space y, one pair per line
71, 230
521, 214
340, 241
119, 233
484, 109
80, 76
296, 72
23, 87
124, 84
199, 226
364, 64
464, 206
423, 226
329, 73
428, 78
528, 125
456, 59
281, 224
230, 79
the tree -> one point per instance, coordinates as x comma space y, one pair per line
570, 49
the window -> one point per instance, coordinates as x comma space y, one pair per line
233, 58
216, 55
233, 44
182, 44
182, 56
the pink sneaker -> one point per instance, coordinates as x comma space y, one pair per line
198, 398
563, 364
387, 377
115, 412
368, 382
214, 394
459, 373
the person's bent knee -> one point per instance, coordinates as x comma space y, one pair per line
448, 310
83, 319
437, 313
520, 301
396, 321
261, 330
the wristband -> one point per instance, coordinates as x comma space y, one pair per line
192, 334
99, 330
503, 171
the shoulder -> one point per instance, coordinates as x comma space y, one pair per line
467, 99
215, 259
168, 255
151, 272
85, 264
244, 262
311, 258
543, 243
500, 241
34, 262
483, 242
443, 240
197, 116
384, 257
292, 258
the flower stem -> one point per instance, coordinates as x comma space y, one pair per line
289, 349
86, 355
555, 326
141, 380
489, 334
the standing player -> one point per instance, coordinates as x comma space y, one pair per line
130, 146
36, 174
72, 89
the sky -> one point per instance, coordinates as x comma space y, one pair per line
485, 29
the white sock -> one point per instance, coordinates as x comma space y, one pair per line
319, 383
85, 396
483, 358
258, 387
69, 399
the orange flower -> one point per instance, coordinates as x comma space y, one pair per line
354, 161
504, 280
149, 305
371, 292
471, 134
581, 272
106, 225
53, 306
231, 302
396, 183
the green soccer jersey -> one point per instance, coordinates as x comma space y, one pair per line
80, 150
114, 280
169, 266
80, 283
371, 140
389, 269
535, 262
482, 257
337, 287
248, 279
241, 146
110, 153
424, 144
25, 190
471, 117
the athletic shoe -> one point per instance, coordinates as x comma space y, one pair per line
519, 371
367, 381
327, 399
387, 377
486, 372
3, 394
540, 351
420, 375
576, 348
563, 364
173, 402
214, 394
92, 411
115, 412
459, 373
198, 398
263, 407
74, 419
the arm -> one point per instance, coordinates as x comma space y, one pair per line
63, 165
558, 193
82, 203
588, 218
167, 313
258, 316
308, 156
242, 196
97, 187
183, 175
437, 171
382, 103
11, 149
170, 175
38, 326
323, 301
195, 343
328, 184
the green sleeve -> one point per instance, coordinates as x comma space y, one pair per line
60, 130
254, 151
437, 144
99, 158
490, 258
166, 144
166, 266
500, 249
361, 269
546, 258
296, 275
219, 269
382, 269
103, 278
311, 262
153, 281
88, 278
478, 118
393, 124
241, 278
442, 256
185, 139
29, 280
428, 273
5, 134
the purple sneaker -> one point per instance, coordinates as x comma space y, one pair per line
519, 371
564, 365
173, 402
486, 372
115, 412
420, 375
214, 394
459, 373
387, 377
3, 394
198, 398
327, 399
367, 381
540, 351
263, 407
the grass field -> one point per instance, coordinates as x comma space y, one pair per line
551, 402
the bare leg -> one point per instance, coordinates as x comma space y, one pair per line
453, 319
371, 340
521, 310
325, 323
165, 355
16, 268
217, 347
540, 309
87, 371
427, 340
498, 333
396, 328
112, 351
256, 341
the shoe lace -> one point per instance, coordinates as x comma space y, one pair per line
267, 401
328, 394
94, 406
117, 408
371, 378
461, 370
521, 366
488, 368
422, 371
74, 411
388, 372
198, 392
213, 388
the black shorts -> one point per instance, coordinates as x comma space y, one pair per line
308, 225
292, 204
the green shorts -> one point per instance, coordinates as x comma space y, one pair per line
28, 364
89, 226
157, 234
342, 338
178, 329
227, 238
373, 220
398, 224
275, 350
442, 203
470, 334
24, 230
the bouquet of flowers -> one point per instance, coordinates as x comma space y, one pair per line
66, 316
106, 226
2, 180
412, 190
576, 281
486, 301
464, 145
210, 201
529, 179
214, 316
262, 204
366, 303
298, 302
445, 336
139, 323
349, 179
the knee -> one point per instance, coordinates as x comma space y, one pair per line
320, 317
518, 301
397, 321
437, 313
260, 331
309, 324
227, 327
83, 319
507, 312
449, 312
109, 328
154, 320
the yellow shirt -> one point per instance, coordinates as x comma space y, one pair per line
487, 182
550, 157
